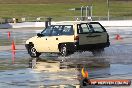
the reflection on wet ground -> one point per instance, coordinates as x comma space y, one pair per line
18, 35
53, 71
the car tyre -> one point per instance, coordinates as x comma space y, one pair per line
33, 52
63, 50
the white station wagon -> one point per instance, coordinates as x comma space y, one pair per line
68, 37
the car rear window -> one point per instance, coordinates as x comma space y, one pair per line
93, 27
84, 28
96, 27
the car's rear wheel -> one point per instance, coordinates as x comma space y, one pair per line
33, 52
63, 50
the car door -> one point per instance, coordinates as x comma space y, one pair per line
43, 41
85, 34
99, 34
60, 34
92, 33
53, 40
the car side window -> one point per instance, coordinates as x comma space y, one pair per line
96, 27
55, 31
67, 30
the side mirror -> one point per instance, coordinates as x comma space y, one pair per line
39, 35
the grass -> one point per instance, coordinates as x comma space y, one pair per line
17, 10
39, 1
60, 8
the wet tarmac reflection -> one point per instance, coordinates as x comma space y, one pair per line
67, 72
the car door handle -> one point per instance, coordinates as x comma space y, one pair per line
56, 38
93, 35
46, 38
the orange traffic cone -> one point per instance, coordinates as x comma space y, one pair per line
13, 46
118, 37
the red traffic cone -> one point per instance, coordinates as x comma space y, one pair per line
118, 37
13, 46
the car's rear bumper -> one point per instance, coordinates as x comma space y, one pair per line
92, 46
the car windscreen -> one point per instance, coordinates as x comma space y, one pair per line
47, 31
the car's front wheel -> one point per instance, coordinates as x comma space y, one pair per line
33, 52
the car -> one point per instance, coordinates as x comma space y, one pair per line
66, 38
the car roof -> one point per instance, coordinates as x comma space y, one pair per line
69, 22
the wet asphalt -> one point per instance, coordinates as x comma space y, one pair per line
53, 71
